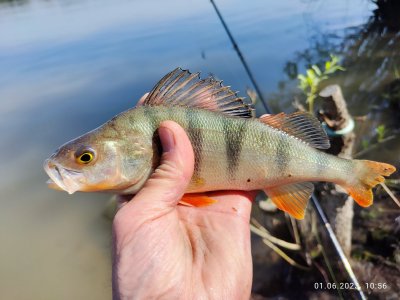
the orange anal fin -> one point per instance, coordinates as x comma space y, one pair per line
291, 198
196, 200
363, 196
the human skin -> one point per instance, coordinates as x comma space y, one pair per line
163, 250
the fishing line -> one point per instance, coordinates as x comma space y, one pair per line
315, 201
389, 192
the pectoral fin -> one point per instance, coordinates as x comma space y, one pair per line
197, 200
52, 185
292, 198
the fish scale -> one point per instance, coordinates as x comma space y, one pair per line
269, 153
232, 149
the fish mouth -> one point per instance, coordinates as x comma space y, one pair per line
62, 178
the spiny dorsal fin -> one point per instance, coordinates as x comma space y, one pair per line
181, 88
292, 198
301, 125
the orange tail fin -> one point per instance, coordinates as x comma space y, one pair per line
367, 175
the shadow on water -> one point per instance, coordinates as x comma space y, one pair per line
14, 2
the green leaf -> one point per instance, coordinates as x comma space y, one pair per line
333, 69
310, 74
301, 77
327, 65
396, 73
381, 131
334, 59
316, 70
323, 78
303, 84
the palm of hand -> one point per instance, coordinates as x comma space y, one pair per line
185, 252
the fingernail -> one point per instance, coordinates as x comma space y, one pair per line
167, 139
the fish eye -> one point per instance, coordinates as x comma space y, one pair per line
85, 156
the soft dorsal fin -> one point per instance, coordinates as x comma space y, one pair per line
292, 198
301, 125
181, 88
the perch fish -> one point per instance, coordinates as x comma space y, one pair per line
233, 150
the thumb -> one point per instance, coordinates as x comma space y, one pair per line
167, 184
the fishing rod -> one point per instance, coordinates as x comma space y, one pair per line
242, 59
337, 246
320, 212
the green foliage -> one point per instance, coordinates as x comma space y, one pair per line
370, 214
371, 143
309, 82
381, 132
396, 73
365, 144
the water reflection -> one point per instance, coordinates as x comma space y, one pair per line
371, 80
371, 52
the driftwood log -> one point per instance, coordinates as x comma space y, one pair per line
337, 204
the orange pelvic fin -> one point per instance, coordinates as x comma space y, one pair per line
368, 174
291, 198
196, 200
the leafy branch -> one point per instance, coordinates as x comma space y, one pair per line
309, 82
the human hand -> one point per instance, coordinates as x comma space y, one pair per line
170, 251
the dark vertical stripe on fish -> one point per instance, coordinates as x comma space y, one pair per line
150, 115
157, 150
281, 158
233, 141
196, 137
